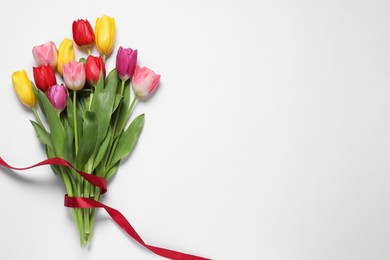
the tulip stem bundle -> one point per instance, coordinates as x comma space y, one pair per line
89, 130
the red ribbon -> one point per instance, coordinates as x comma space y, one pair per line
93, 179
78, 202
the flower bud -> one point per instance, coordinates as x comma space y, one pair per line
93, 67
74, 75
145, 81
44, 77
58, 96
45, 54
83, 33
105, 34
65, 54
126, 61
23, 88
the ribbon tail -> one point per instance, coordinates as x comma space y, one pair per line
79, 202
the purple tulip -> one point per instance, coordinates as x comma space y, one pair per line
126, 61
58, 96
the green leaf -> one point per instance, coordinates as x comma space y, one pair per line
70, 116
124, 111
112, 171
128, 139
118, 99
69, 112
103, 103
88, 140
35, 89
102, 149
83, 60
42, 134
99, 86
50, 154
57, 131
112, 76
68, 152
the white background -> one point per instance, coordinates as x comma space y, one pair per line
269, 137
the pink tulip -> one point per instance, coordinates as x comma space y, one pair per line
126, 61
145, 81
74, 75
58, 96
46, 54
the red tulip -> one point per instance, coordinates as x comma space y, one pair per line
83, 34
93, 67
44, 77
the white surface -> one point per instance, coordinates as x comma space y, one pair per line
269, 137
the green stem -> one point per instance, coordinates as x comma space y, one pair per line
76, 140
76, 137
90, 100
123, 86
79, 184
133, 103
87, 212
89, 51
37, 117
104, 58
76, 212
93, 214
86, 221
81, 228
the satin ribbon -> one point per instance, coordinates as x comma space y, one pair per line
93, 179
79, 202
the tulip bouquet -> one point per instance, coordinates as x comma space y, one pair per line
86, 115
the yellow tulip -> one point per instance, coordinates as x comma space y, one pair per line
23, 88
65, 54
105, 34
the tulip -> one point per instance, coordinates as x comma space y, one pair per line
44, 77
45, 54
105, 34
93, 67
58, 96
83, 33
65, 54
126, 61
145, 81
23, 88
74, 75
